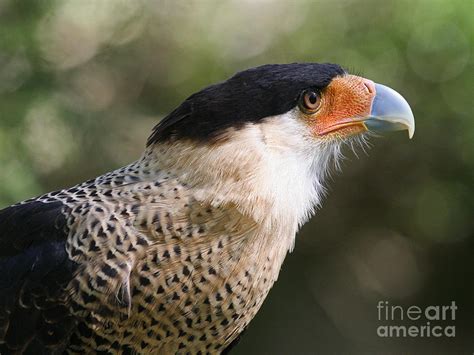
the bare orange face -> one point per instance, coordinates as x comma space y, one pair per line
341, 108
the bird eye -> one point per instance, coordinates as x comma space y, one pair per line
311, 100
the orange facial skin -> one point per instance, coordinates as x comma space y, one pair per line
345, 102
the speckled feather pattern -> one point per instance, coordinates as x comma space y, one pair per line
158, 269
177, 251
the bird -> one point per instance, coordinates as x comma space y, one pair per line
176, 252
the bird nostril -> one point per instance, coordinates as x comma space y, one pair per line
370, 86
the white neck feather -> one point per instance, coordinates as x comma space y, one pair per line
272, 171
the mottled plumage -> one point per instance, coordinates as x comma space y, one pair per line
176, 252
153, 267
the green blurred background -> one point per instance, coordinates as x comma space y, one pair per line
83, 82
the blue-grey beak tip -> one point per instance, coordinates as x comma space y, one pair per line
390, 112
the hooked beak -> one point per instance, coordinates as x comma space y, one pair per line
352, 104
390, 112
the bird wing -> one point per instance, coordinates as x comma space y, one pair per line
34, 268
117, 254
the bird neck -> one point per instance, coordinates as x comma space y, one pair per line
271, 171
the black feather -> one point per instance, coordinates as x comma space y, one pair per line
32, 222
34, 271
247, 97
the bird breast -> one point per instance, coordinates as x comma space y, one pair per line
163, 269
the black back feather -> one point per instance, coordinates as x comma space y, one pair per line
247, 97
30, 222
34, 269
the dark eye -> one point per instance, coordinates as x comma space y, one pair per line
310, 100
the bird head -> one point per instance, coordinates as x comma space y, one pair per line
331, 103
267, 134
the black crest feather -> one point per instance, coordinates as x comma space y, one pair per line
247, 97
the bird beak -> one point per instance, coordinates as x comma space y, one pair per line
390, 112
351, 105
